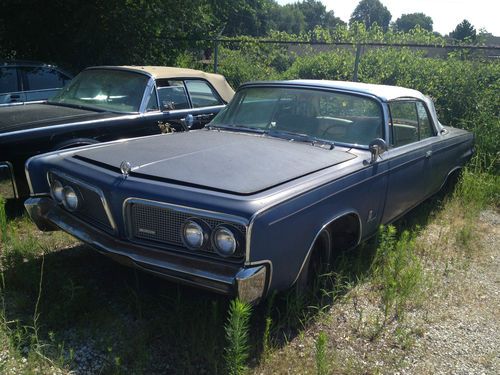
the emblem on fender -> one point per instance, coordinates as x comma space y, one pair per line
125, 168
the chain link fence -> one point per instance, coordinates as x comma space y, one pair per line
249, 60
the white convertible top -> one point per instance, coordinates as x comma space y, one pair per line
383, 92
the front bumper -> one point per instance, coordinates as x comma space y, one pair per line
246, 283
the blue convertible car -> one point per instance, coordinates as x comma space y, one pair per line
256, 201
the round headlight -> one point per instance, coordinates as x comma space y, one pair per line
70, 198
57, 190
193, 234
224, 241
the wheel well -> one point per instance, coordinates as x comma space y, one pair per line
345, 231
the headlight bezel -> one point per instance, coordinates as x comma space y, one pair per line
68, 189
234, 234
205, 231
54, 193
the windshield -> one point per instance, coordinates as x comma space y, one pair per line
326, 115
106, 89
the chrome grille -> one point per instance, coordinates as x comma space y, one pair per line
161, 224
92, 209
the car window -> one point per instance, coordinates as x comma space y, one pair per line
153, 102
40, 78
404, 123
425, 126
8, 80
332, 116
172, 95
105, 89
201, 94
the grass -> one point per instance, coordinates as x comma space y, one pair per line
64, 306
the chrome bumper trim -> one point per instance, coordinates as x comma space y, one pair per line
248, 284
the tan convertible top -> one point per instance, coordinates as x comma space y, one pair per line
165, 72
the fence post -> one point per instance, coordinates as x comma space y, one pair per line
356, 62
216, 48
216, 55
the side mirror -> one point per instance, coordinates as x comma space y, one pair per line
377, 147
187, 122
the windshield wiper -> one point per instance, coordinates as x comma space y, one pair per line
237, 128
300, 137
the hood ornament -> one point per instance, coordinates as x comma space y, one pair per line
125, 168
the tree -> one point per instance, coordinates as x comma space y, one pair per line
288, 19
315, 14
464, 31
370, 12
408, 22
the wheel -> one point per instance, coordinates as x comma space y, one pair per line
316, 263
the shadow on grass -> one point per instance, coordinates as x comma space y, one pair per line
98, 316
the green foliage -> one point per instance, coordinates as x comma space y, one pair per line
3, 221
398, 271
409, 21
237, 336
321, 354
371, 12
478, 189
335, 65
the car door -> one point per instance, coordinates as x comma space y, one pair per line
185, 104
410, 162
205, 101
42, 83
11, 90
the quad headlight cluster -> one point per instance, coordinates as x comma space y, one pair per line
225, 239
65, 195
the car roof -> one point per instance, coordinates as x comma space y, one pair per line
165, 72
383, 92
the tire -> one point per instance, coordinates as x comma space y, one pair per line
316, 263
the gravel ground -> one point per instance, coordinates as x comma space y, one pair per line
463, 333
454, 330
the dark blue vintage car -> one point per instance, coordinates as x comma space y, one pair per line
256, 201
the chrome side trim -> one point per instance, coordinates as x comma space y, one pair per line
119, 116
319, 232
90, 187
10, 169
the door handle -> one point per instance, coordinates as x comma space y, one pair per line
428, 154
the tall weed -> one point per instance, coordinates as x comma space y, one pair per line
237, 336
397, 271
321, 354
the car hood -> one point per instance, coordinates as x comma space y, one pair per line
29, 116
237, 163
